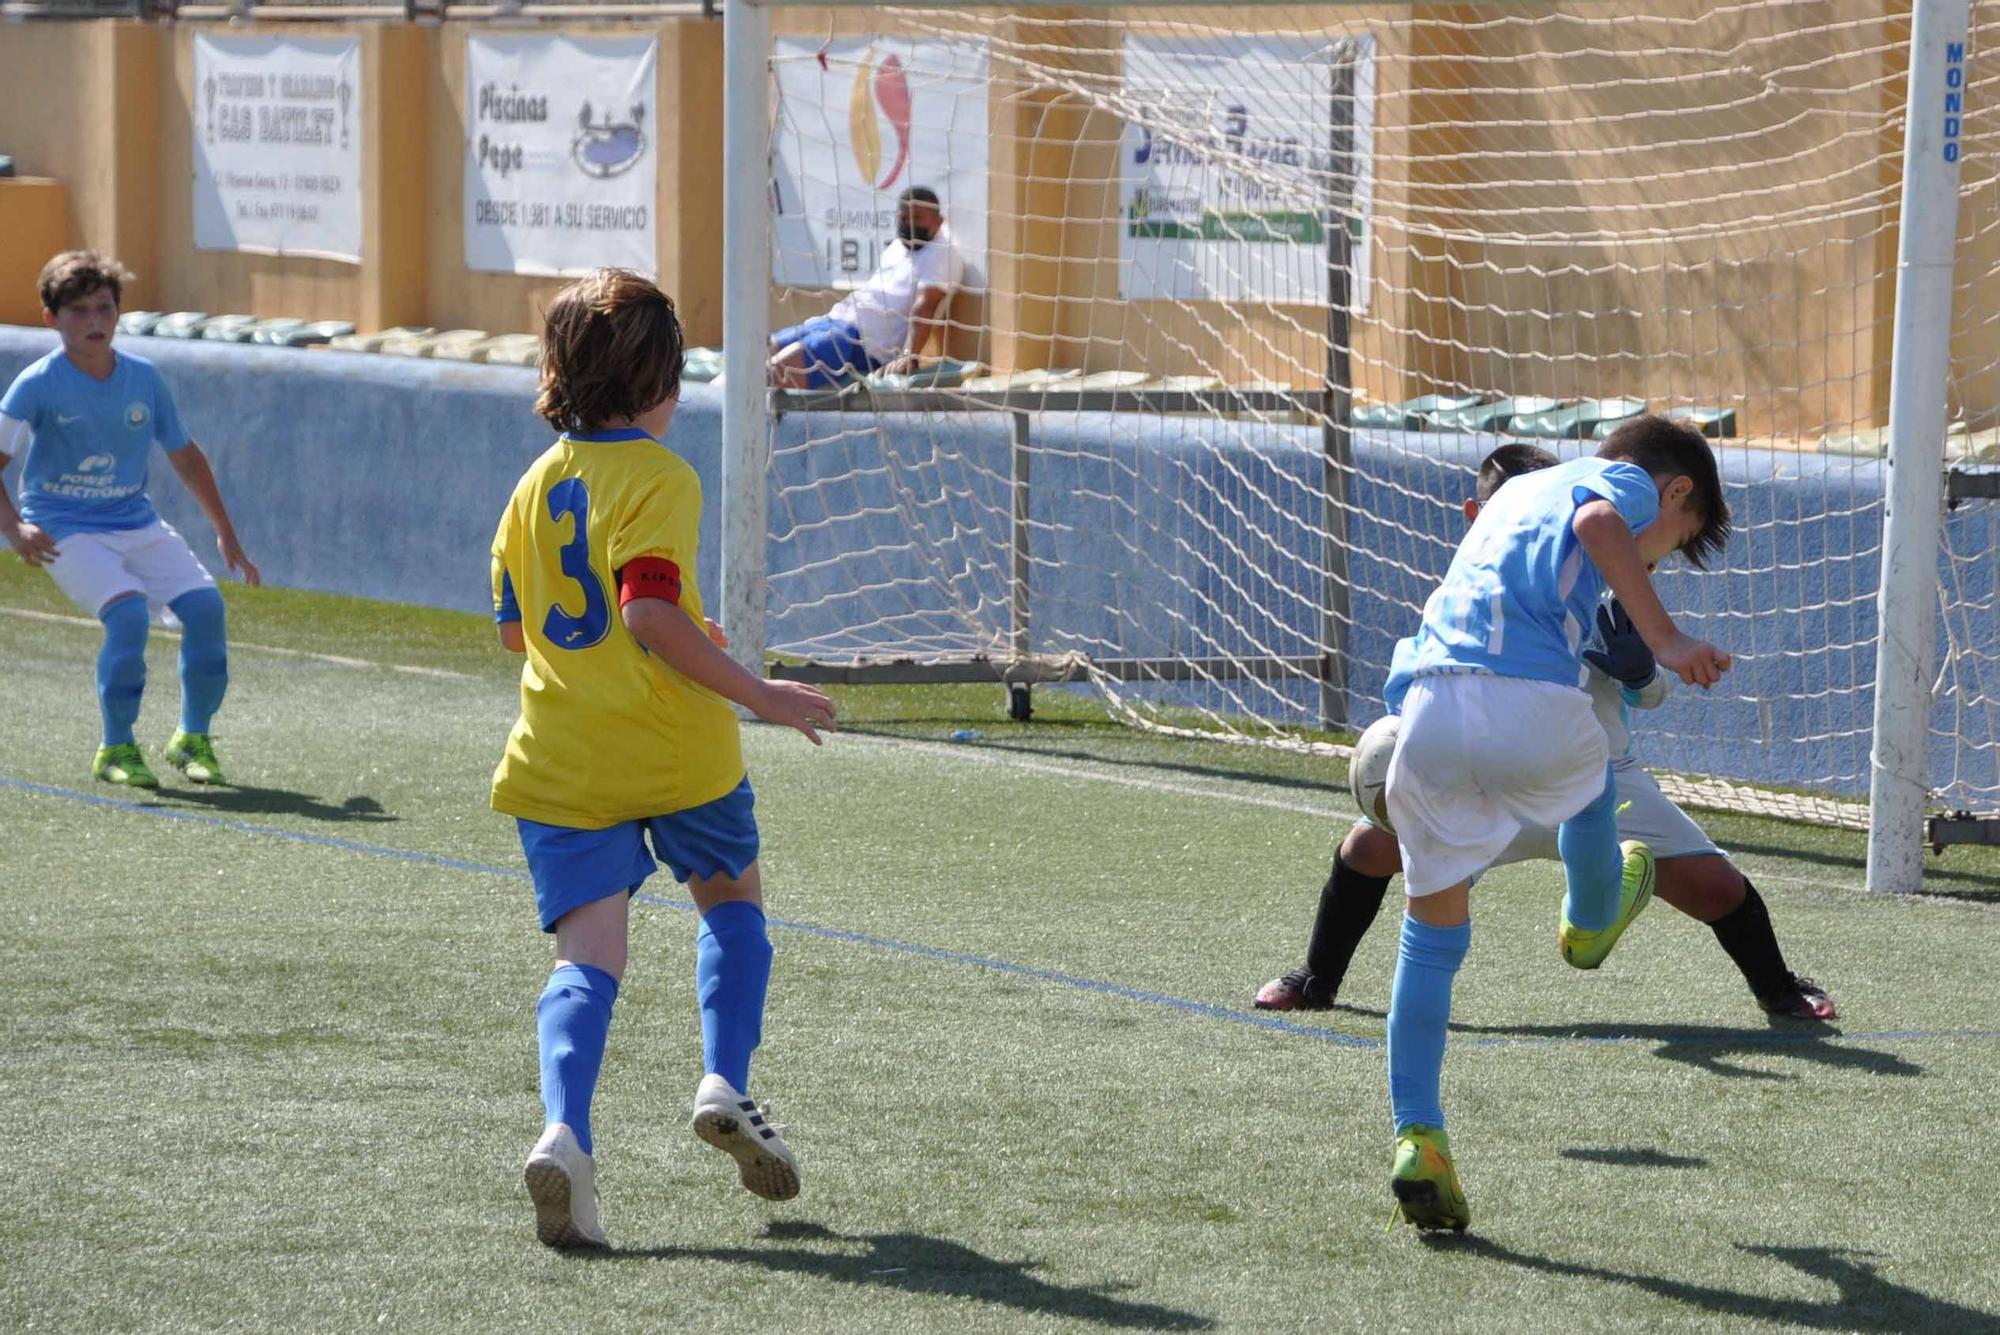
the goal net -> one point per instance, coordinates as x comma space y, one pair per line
1246, 294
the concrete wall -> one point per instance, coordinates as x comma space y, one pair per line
383, 477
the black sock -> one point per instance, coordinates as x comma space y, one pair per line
1347, 905
1745, 932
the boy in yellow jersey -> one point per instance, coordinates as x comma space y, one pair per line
626, 736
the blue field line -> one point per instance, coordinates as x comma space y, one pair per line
1076, 982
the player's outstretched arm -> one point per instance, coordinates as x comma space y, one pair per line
1607, 540
192, 465
677, 640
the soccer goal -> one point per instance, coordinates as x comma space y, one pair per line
1249, 290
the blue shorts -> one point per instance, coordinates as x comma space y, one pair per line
573, 867
833, 350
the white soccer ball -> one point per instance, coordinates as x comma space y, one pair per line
1368, 769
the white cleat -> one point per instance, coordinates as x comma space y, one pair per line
562, 1182
739, 1128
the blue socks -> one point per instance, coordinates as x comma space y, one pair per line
1593, 866
121, 668
732, 970
1419, 1010
204, 656
572, 1019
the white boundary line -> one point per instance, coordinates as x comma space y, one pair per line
958, 752
336, 660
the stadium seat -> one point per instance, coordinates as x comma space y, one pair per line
700, 365
305, 335
1112, 380
227, 328
1715, 423
1577, 421
945, 374
455, 345
1414, 414
1492, 417
510, 350
139, 322
373, 342
181, 324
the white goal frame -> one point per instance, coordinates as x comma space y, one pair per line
1906, 598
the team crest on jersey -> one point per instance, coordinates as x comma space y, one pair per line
136, 413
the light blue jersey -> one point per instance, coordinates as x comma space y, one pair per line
1520, 597
92, 442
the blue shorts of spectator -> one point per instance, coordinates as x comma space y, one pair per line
833, 350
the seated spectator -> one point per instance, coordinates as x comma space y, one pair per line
883, 324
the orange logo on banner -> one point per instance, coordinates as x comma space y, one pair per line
888, 86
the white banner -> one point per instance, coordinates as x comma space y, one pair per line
860, 120
277, 145
561, 153
1230, 168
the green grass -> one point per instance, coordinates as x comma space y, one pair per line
261, 1082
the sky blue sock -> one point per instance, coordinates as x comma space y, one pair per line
204, 656
1419, 1010
1593, 866
121, 668
572, 1019
732, 971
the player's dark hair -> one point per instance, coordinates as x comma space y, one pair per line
75, 274
1670, 449
919, 194
611, 347
1510, 461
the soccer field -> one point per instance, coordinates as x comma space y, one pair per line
272, 1054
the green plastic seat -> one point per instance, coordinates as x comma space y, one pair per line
228, 329
1715, 423
139, 322
1494, 417
700, 365
181, 324
1576, 421
1414, 414
306, 335
373, 342
510, 350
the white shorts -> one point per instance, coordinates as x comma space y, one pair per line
1481, 758
154, 560
1645, 813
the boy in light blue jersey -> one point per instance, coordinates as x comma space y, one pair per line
87, 419
1498, 736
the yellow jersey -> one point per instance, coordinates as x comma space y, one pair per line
607, 732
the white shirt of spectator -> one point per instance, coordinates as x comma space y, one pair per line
881, 307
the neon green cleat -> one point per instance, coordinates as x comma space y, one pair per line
1426, 1182
123, 764
1587, 950
193, 754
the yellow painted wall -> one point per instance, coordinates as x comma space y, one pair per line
1801, 304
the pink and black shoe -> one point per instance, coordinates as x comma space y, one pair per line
1802, 999
1299, 990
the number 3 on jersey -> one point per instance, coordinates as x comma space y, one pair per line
571, 497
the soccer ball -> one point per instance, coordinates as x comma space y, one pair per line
1368, 769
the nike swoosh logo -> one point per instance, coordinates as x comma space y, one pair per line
66, 421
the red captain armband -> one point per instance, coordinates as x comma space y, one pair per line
649, 577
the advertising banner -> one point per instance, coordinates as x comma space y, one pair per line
1238, 155
561, 153
859, 121
277, 145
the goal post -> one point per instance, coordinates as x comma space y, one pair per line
1249, 290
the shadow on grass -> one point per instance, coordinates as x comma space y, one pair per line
1706, 1046
1975, 885
247, 801
1260, 778
1702, 1046
1629, 1158
920, 1264
1864, 1301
